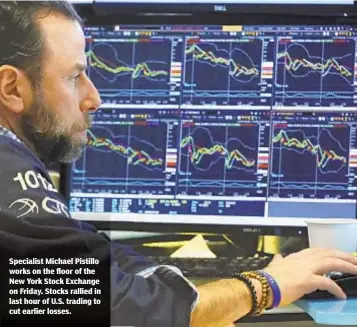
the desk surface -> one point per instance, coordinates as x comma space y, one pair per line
328, 312
331, 312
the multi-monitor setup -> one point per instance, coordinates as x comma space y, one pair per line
252, 125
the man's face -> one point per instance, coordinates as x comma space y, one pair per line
52, 139
63, 99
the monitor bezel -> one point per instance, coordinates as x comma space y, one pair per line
225, 8
133, 13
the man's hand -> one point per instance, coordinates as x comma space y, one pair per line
301, 273
225, 301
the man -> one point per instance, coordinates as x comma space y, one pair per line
46, 100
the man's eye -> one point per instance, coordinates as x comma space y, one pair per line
76, 77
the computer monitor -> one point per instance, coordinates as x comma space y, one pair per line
220, 125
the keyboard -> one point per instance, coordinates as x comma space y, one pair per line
222, 267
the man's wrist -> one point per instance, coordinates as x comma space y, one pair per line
258, 293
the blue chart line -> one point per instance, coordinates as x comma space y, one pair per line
129, 156
218, 159
131, 71
309, 160
315, 73
226, 72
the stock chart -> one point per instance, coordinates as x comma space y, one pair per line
223, 72
315, 73
134, 71
221, 159
255, 121
126, 157
258, 69
310, 160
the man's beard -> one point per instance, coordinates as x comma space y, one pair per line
50, 140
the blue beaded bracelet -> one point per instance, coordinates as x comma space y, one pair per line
274, 287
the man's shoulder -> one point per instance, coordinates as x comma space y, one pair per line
26, 188
18, 160
7, 143
14, 153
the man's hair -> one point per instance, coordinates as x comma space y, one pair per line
21, 39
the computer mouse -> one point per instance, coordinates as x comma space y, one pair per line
347, 282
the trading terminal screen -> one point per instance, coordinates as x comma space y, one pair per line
220, 124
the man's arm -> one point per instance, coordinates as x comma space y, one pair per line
223, 302
35, 223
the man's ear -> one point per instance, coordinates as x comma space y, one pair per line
15, 89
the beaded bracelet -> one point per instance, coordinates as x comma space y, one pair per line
274, 288
266, 293
251, 287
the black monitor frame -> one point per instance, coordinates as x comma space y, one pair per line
224, 7
102, 13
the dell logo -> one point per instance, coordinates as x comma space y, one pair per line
220, 8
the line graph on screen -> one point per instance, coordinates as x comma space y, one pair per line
223, 72
131, 72
135, 154
315, 73
216, 158
310, 159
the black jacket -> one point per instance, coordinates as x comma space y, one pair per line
35, 223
